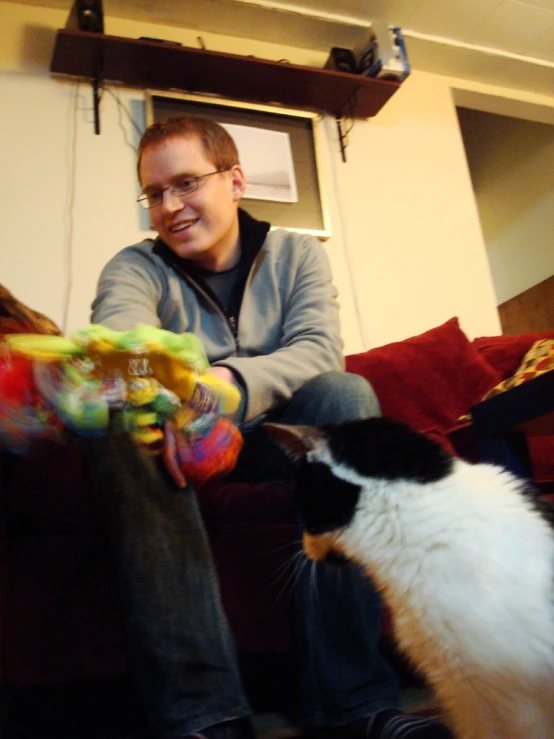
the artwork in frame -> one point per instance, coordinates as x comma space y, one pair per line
266, 158
299, 204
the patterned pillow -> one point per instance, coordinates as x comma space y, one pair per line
538, 360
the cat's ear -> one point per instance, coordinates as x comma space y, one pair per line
295, 441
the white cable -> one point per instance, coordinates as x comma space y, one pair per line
330, 136
121, 107
70, 213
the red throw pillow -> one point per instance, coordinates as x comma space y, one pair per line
541, 451
427, 381
505, 353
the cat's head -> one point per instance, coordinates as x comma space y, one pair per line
336, 465
326, 501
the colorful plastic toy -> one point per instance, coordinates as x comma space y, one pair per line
144, 378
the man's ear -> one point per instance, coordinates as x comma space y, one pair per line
295, 441
238, 182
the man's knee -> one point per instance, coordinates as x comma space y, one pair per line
350, 395
333, 397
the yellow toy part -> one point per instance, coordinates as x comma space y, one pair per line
43, 348
176, 361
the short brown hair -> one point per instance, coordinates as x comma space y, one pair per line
217, 143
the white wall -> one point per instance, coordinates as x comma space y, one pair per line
414, 237
407, 251
64, 194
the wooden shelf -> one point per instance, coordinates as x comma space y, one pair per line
159, 66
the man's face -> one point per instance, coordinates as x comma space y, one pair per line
202, 225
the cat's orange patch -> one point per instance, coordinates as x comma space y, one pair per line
317, 547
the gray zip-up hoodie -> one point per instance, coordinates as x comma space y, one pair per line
282, 327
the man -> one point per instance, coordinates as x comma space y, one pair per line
265, 308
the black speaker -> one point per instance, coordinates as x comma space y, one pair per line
343, 60
86, 15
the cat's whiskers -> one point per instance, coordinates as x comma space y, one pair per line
314, 590
287, 545
290, 571
289, 563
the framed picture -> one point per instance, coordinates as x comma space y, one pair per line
279, 150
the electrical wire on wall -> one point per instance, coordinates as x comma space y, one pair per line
72, 178
121, 108
343, 134
345, 121
331, 134
72, 186
138, 129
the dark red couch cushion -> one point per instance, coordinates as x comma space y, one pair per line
251, 532
51, 484
62, 608
429, 380
505, 353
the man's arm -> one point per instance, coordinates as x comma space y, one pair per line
128, 292
310, 341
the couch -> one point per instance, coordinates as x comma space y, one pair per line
60, 621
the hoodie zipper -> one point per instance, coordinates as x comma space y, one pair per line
234, 326
232, 321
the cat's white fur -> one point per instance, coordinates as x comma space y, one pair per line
466, 566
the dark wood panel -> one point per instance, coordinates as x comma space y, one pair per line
531, 310
159, 66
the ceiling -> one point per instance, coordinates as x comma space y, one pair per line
504, 42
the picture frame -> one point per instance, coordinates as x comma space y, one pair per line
309, 213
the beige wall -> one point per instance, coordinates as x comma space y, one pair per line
512, 169
407, 250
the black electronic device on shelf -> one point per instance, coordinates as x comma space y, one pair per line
343, 60
86, 15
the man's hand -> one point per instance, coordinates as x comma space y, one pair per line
223, 373
172, 452
174, 443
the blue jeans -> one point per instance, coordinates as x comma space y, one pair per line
181, 651
342, 675
180, 646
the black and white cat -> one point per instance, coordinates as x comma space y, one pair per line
463, 554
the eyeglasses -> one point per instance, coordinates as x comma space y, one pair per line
182, 185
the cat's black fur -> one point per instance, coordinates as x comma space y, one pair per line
374, 447
387, 449
327, 503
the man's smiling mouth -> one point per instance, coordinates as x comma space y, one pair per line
183, 225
